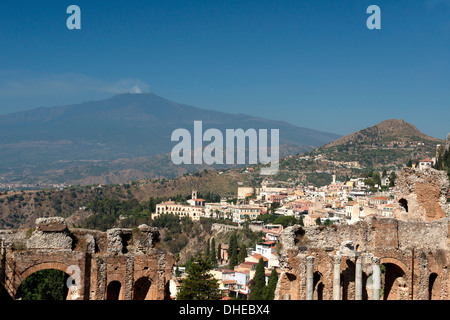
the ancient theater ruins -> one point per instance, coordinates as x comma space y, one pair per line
404, 257
119, 264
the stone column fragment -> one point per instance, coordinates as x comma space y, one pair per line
376, 278
309, 278
337, 278
358, 278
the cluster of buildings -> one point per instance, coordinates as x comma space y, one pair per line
30, 186
236, 282
196, 208
338, 202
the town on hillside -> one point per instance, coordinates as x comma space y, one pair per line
340, 202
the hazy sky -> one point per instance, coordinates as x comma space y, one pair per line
312, 63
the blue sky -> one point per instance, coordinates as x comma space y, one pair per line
312, 63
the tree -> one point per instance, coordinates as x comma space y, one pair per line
318, 222
286, 221
392, 177
233, 251
242, 253
208, 250
219, 253
376, 178
269, 291
213, 252
409, 164
48, 284
199, 283
258, 282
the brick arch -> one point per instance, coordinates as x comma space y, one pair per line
318, 286
142, 288
397, 262
119, 278
396, 283
142, 273
42, 266
120, 294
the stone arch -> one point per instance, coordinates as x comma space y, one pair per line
42, 266
114, 290
46, 266
433, 286
71, 295
348, 280
318, 285
142, 289
394, 282
397, 262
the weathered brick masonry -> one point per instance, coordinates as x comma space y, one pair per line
400, 258
117, 264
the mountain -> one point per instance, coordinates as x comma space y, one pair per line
390, 143
387, 145
124, 137
383, 133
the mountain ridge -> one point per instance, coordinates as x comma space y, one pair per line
396, 128
37, 142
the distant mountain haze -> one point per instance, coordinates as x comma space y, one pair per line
125, 126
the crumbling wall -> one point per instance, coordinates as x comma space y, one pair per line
51, 233
123, 255
421, 195
416, 255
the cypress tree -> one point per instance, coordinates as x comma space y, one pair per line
269, 290
208, 251
213, 252
318, 222
409, 164
219, 253
259, 282
242, 253
233, 251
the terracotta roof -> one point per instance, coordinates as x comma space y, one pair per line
227, 271
257, 256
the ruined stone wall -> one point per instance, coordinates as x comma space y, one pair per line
122, 255
412, 253
421, 195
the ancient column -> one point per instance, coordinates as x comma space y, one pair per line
376, 278
309, 278
337, 278
358, 278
